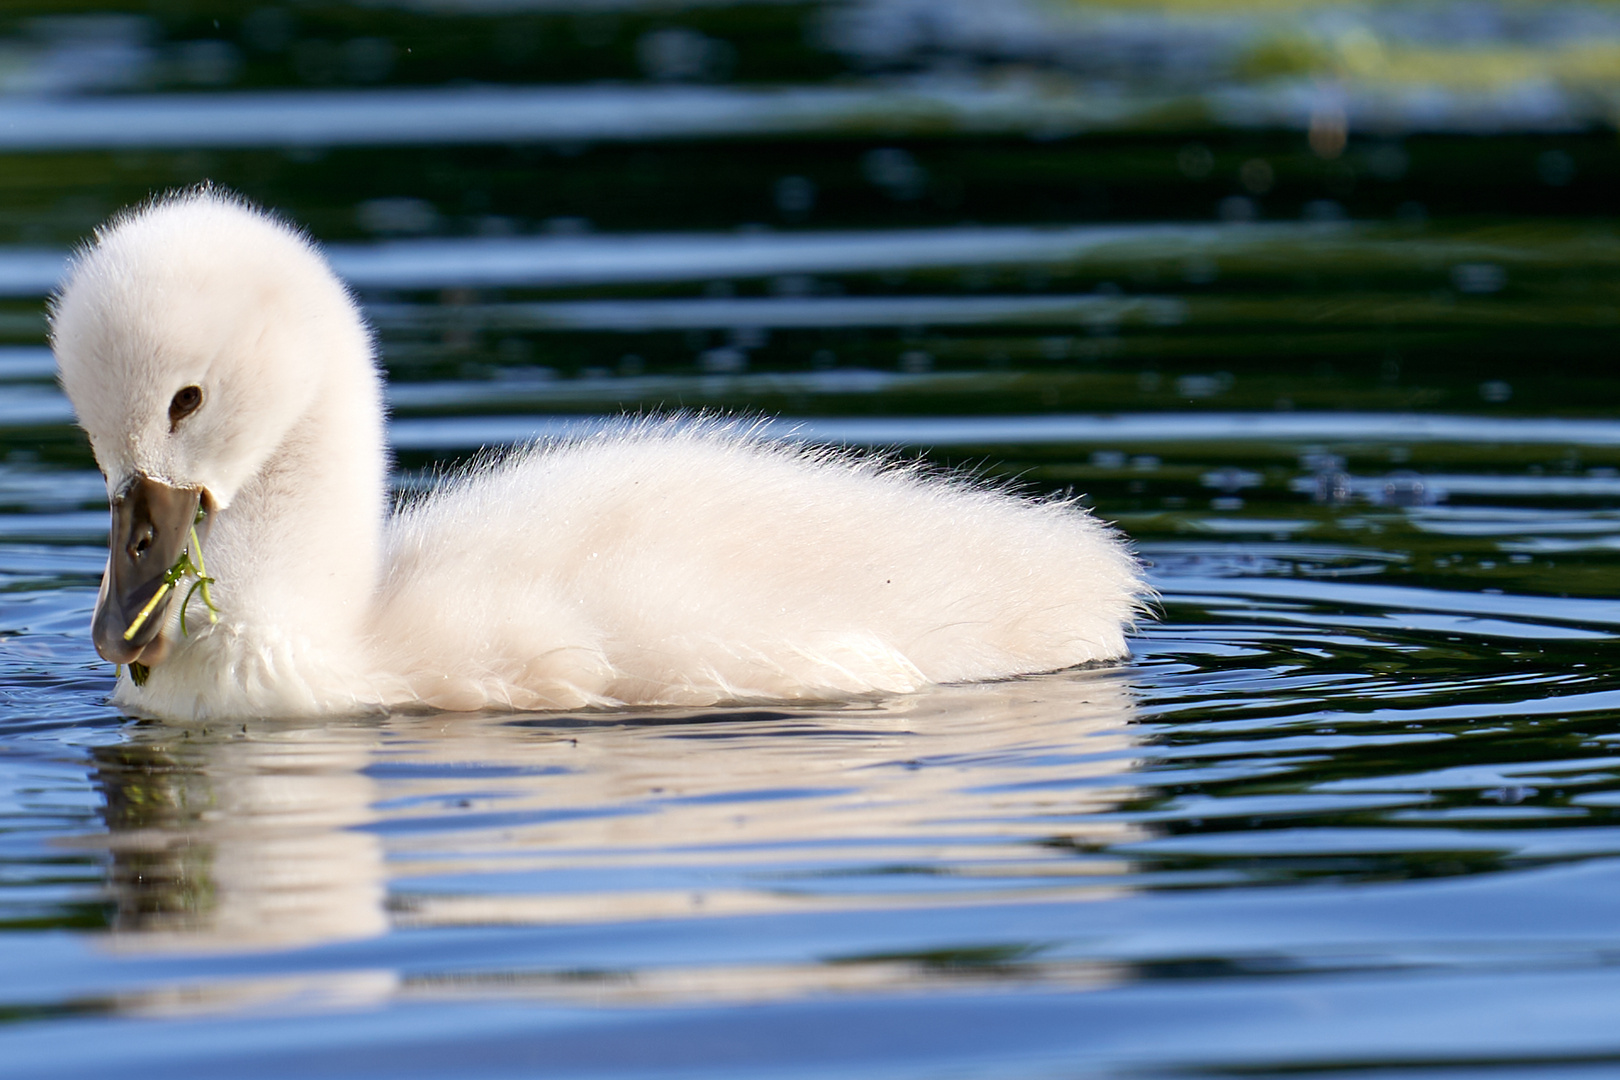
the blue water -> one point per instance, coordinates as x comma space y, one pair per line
1348, 806
1351, 806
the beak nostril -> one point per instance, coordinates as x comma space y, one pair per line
140, 541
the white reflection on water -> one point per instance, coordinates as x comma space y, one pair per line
288, 835
625, 258
226, 841
443, 433
460, 115
567, 261
894, 107
632, 316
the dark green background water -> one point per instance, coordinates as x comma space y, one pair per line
1351, 806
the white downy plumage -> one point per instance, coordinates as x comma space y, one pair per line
674, 561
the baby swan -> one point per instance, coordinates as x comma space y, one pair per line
231, 394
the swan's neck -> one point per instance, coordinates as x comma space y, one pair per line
297, 552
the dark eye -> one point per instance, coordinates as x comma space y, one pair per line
185, 402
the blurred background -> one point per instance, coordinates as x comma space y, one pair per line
858, 207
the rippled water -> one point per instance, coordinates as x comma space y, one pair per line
1351, 804
1349, 808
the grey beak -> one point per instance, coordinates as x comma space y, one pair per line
151, 526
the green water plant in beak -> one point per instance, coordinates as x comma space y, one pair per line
155, 547
183, 568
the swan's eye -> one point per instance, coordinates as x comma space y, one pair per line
186, 401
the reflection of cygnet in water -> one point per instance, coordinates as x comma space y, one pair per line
965, 781
229, 842
299, 833
232, 841
229, 389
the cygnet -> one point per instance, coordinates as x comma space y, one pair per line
231, 393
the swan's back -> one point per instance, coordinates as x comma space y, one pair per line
688, 563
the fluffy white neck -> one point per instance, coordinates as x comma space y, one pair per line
296, 558
298, 550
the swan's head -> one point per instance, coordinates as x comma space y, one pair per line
189, 336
